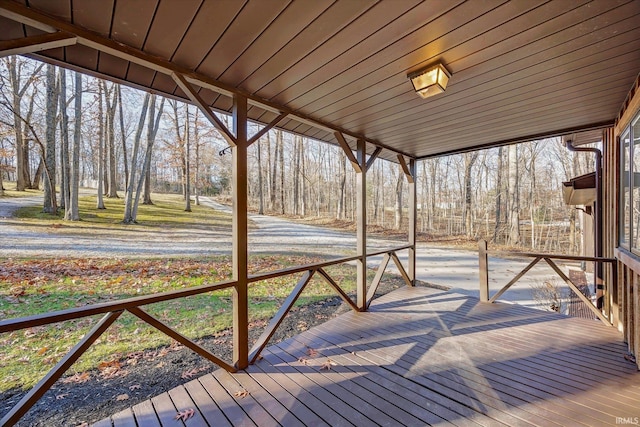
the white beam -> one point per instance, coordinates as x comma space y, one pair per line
35, 44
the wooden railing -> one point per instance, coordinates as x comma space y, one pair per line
483, 254
113, 309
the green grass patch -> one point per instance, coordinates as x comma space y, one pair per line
166, 212
29, 287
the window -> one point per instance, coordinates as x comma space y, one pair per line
630, 187
625, 195
635, 183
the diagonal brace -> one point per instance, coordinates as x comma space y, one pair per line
57, 371
279, 316
378, 277
347, 151
405, 169
401, 269
514, 280
143, 315
575, 289
373, 158
267, 128
338, 289
195, 97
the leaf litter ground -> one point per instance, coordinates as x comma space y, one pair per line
118, 383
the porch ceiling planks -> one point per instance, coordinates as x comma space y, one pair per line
520, 69
442, 359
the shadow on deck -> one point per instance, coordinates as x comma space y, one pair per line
420, 356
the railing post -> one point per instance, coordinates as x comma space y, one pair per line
240, 238
484, 270
413, 207
361, 231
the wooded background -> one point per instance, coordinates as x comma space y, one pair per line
61, 130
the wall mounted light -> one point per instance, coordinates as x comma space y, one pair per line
430, 81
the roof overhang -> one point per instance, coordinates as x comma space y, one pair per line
580, 191
521, 70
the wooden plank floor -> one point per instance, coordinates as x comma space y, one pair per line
420, 357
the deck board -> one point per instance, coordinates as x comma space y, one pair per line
421, 356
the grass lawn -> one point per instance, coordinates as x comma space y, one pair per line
34, 286
30, 287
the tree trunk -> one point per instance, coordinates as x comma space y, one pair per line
99, 190
196, 139
398, 204
187, 178
50, 205
469, 161
260, 189
73, 213
514, 199
281, 159
271, 168
303, 173
496, 230
152, 130
123, 137
128, 205
111, 102
343, 180
64, 152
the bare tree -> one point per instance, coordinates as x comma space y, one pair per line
14, 67
514, 196
153, 123
398, 200
469, 161
129, 216
187, 167
50, 203
72, 212
99, 192
64, 136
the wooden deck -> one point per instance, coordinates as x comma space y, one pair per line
420, 356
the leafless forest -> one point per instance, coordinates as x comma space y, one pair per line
60, 131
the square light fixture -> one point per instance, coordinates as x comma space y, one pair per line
430, 81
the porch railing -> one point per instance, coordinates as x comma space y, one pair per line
483, 254
113, 309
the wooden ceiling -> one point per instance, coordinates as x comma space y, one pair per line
520, 69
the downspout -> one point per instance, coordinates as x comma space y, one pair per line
599, 274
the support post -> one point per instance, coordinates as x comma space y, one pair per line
413, 207
240, 236
484, 270
361, 227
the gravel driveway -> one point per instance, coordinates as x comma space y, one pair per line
452, 268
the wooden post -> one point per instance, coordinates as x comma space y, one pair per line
484, 270
413, 206
240, 238
361, 227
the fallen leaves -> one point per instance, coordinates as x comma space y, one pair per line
61, 396
185, 415
122, 397
77, 378
111, 369
134, 387
312, 352
328, 364
191, 373
241, 394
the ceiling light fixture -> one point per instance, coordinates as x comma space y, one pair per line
430, 81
